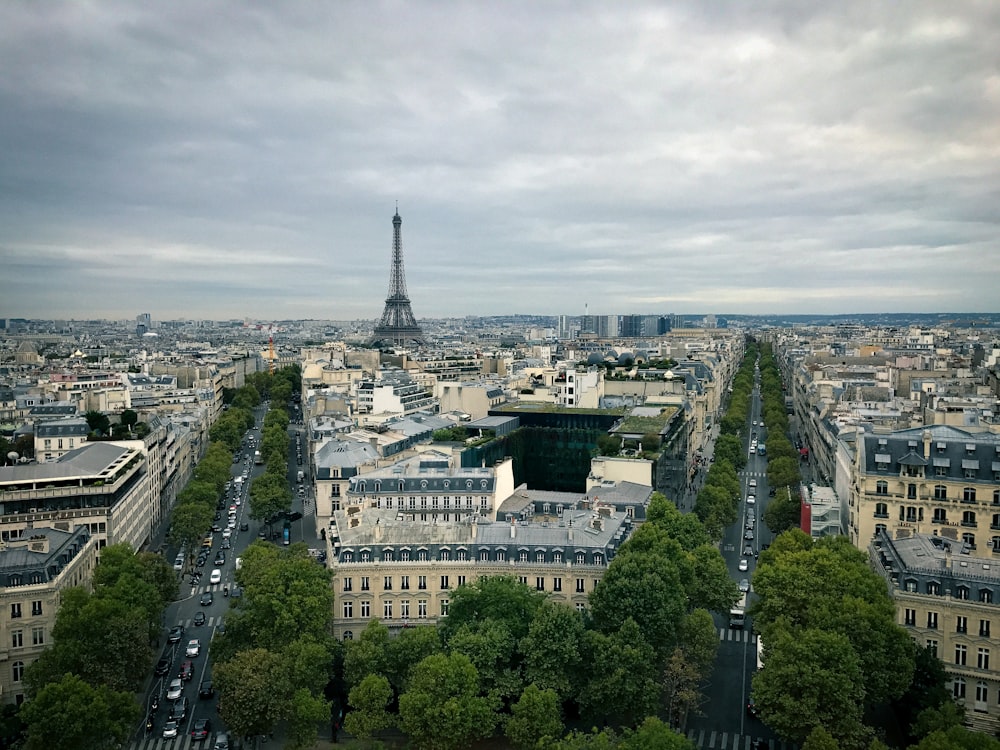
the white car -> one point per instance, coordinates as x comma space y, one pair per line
216, 576
193, 647
227, 532
751, 499
753, 482
745, 585
232, 523
175, 690
744, 565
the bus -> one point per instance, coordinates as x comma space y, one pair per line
760, 653
738, 613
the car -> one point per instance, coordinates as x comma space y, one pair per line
187, 670
262, 533
751, 707
193, 647
226, 543
232, 524
227, 533
244, 526
200, 562
199, 618
175, 634
162, 666
206, 690
748, 551
748, 535
206, 599
744, 565
220, 558
201, 729
221, 741
755, 423
753, 482
744, 585
232, 509
170, 729
753, 449
178, 711
175, 689
751, 499
216, 576
239, 500
216, 528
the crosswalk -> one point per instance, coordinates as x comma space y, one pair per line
713, 740
737, 636
153, 741
755, 474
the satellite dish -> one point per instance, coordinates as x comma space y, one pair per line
13, 456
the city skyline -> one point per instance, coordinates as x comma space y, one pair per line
245, 161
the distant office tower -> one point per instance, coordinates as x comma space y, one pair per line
631, 326
143, 324
563, 332
397, 325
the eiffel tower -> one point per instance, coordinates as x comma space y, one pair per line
397, 325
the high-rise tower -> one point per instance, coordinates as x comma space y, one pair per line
397, 325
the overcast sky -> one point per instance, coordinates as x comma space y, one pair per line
238, 159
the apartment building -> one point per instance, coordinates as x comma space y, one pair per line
34, 571
103, 487
938, 480
947, 600
56, 437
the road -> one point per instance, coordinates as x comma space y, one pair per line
182, 611
725, 723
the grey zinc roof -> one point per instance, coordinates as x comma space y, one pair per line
90, 460
949, 449
73, 427
20, 559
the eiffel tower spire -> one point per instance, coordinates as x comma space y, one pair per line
397, 324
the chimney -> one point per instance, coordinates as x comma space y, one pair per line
513, 528
475, 526
927, 444
378, 530
569, 531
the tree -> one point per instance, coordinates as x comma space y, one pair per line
699, 641
938, 719
681, 680
129, 418
500, 598
253, 691
653, 734
622, 678
551, 649
927, 691
305, 712
820, 739
647, 589
70, 713
707, 581
490, 647
98, 422
369, 654
811, 678
408, 648
957, 738
534, 718
784, 512
368, 700
188, 525
442, 708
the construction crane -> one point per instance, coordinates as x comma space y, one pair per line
270, 353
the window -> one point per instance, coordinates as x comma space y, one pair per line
940, 492
940, 515
38, 636
960, 654
422, 555
404, 555
522, 556
404, 583
910, 617
15, 610
523, 580
881, 487
421, 609
539, 556
962, 592
387, 610
982, 696
932, 620
16, 638
445, 555
958, 687
996, 493
404, 609
484, 555
932, 646
348, 635
387, 555
986, 596
539, 583
36, 608
422, 582
969, 518
444, 607
580, 606
366, 609
17, 671
983, 658
444, 583
348, 584
970, 539
984, 628
940, 471
961, 624
968, 494
557, 556
579, 586
387, 583
557, 584
995, 521
881, 510
365, 586
911, 491
581, 558
348, 610
501, 555
366, 555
